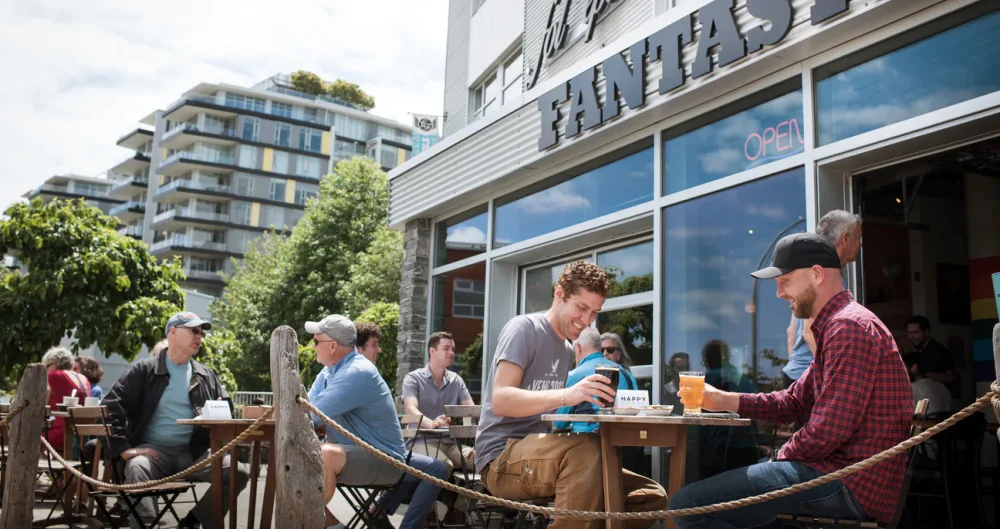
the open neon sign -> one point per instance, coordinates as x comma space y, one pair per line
778, 139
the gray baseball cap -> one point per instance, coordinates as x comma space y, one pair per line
338, 328
187, 319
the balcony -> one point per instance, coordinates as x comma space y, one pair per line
184, 135
213, 276
191, 105
180, 218
135, 138
61, 191
138, 161
126, 188
134, 230
129, 211
184, 244
183, 162
185, 189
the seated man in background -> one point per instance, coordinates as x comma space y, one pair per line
144, 405
350, 391
925, 387
588, 357
369, 335
427, 391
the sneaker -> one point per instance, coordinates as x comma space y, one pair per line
189, 522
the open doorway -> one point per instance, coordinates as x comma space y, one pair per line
930, 245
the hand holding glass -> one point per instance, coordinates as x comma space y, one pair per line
692, 390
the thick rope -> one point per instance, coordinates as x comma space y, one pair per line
13, 412
175, 477
895, 451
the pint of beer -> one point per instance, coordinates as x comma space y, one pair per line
692, 390
611, 372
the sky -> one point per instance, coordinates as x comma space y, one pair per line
78, 75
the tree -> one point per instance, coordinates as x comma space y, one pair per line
351, 93
83, 279
386, 316
219, 350
308, 82
376, 274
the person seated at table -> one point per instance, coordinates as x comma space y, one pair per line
516, 455
63, 381
350, 391
426, 391
146, 402
91, 368
854, 401
589, 356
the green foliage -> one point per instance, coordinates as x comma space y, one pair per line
473, 360
386, 316
83, 277
309, 275
376, 274
310, 83
219, 350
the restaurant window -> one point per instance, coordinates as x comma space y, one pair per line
609, 184
461, 237
716, 317
458, 308
917, 73
758, 130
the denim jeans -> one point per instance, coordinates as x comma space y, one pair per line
424, 494
831, 500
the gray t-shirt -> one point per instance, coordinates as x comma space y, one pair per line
530, 342
431, 399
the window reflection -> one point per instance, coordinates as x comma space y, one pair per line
948, 68
635, 327
540, 285
630, 269
461, 237
612, 187
761, 134
458, 308
716, 317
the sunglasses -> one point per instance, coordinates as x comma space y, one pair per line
197, 331
317, 341
610, 350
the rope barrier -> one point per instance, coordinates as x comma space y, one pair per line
175, 477
13, 412
899, 449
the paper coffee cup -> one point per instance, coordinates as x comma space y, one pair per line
92, 401
71, 401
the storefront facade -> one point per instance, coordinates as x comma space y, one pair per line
718, 143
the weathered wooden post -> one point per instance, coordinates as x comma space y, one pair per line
299, 465
22, 455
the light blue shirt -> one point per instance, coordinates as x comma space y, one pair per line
801, 356
175, 403
587, 367
352, 393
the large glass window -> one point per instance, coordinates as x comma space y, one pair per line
283, 134
308, 166
457, 308
461, 237
469, 300
281, 109
593, 193
540, 284
629, 269
280, 162
860, 93
635, 327
767, 130
310, 140
277, 191
349, 127
251, 128
248, 156
248, 103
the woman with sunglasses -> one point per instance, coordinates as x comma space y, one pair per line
614, 349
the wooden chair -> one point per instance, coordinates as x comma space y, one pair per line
810, 522
92, 422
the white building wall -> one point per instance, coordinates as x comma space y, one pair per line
493, 29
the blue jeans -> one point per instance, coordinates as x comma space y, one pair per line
831, 500
424, 494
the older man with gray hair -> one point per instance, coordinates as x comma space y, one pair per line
589, 357
843, 230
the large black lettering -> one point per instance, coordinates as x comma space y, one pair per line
718, 28
584, 101
548, 104
624, 81
665, 46
824, 10
779, 13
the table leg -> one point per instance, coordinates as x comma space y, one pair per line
254, 475
218, 521
234, 464
267, 509
611, 462
678, 463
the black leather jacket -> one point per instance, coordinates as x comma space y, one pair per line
136, 395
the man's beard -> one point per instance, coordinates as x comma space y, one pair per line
804, 305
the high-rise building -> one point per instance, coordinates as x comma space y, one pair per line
94, 190
224, 164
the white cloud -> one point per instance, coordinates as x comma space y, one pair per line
770, 212
81, 74
554, 200
468, 235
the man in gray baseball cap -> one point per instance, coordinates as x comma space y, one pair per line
187, 319
350, 391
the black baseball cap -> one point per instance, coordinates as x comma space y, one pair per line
799, 250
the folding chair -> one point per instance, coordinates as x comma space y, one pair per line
92, 422
810, 522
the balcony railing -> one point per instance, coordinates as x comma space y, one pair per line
202, 274
210, 128
230, 104
191, 184
132, 231
186, 242
130, 181
191, 214
199, 157
131, 204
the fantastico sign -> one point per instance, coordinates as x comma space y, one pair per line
627, 80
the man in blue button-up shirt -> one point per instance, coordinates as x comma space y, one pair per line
350, 391
588, 357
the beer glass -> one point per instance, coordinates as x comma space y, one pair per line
692, 390
611, 372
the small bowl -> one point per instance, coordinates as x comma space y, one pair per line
658, 411
627, 411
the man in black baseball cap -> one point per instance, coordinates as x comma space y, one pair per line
802, 263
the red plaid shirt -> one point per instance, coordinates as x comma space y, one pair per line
855, 400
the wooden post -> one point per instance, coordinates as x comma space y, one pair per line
299, 465
22, 456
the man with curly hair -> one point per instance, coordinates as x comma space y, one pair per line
516, 454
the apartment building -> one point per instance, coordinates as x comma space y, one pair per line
95, 191
223, 164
